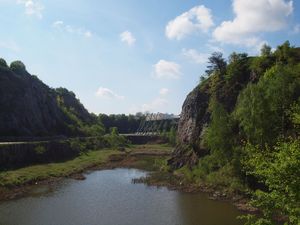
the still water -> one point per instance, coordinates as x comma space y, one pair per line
108, 197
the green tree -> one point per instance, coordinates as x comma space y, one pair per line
216, 63
266, 50
219, 135
278, 169
172, 136
18, 67
115, 140
3, 63
263, 108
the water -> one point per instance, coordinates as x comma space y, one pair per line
109, 197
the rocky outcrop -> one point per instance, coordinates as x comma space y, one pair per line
193, 118
28, 107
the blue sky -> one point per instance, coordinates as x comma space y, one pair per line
124, 56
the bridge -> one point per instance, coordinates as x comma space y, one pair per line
156, 123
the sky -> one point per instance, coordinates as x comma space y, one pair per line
128, 56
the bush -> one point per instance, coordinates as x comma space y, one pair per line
40, 149
3, 63
115, 140
278, 169
18, 67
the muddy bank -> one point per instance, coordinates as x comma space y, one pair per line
145, 160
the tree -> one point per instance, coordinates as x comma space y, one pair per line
3, 63
115, 140
278, 169
18, 67
266, 50
263, 108
219, 135
172, 136
216, 63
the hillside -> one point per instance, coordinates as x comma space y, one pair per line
239, 130
31, 108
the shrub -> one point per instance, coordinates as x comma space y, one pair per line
18, 67
40, 149
3, 63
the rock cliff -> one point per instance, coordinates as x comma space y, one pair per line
194, 117
28, 107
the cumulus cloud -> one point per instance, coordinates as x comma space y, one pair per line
60, 25
196, 19
251, 18
128, 38
167, 69
106, 93
32, 7
195, 56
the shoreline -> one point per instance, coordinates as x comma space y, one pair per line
139, 157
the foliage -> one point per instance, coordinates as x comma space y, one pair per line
216, 63
219, 136
18, 67
115, 140
40, 149
125, 124
253, 131
263, 108
278, 168
3, 63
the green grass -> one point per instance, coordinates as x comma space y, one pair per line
153, 148
45, 171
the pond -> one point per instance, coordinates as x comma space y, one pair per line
109, 197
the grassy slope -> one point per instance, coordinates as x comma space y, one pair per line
147, 160
45, 171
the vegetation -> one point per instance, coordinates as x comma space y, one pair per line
124, 123
18, 67
42, 172
253, 133
170, 136
115, 140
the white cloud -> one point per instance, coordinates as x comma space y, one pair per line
128, 38
251, 18
32, 7
167, 69
164, 91
196, 19
60, 25
108, 94
195, 56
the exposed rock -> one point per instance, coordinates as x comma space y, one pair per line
28, 107
193, 118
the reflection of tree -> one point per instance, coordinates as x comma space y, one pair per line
197, 209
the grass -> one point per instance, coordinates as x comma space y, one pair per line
86, 160
165, 148
41, 172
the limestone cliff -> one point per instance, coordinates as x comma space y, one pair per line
28, 107
194, 117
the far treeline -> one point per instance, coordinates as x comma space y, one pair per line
252, 136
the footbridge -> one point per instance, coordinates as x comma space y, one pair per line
156, 123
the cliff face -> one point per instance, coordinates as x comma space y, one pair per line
28, 107
194, 117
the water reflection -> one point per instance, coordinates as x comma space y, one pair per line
109, 197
